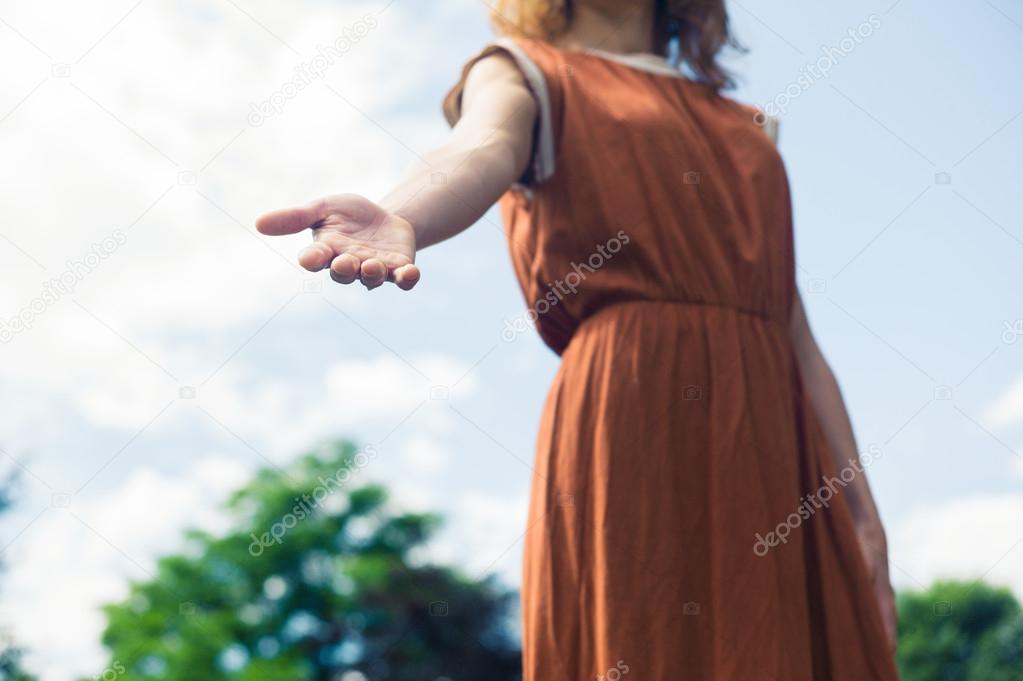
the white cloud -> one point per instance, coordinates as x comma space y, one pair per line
492, 539
1007, 409
425, 456
74, 559
968, 538
180, 77
483, 533
368, 398
86, 155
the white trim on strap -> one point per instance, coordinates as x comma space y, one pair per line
770, 125
543, 163
641, 61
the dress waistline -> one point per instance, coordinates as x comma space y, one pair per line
705, 305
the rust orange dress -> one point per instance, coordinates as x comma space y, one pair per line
652, 238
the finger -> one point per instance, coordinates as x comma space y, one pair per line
406, 277
316, 256
373, 273
345, 268
291, 220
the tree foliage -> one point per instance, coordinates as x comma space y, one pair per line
960, 631
316, 581
10, 654
10, 664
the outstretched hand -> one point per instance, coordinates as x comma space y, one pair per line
354, 237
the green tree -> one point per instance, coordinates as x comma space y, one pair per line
315, 582
1000, 655
960, 631
10, 664
10, 654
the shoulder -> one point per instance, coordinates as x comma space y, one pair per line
494, 77
494, 65
512, 84
766, 122
762, 120
521, 59
522, 71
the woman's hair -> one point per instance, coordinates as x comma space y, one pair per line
700, 27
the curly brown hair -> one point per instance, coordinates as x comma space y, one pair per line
700, 26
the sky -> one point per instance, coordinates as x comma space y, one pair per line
170, 351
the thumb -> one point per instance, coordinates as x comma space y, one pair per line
292, 220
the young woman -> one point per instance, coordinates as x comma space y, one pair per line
699, 509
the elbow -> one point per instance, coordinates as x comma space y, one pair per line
510, 155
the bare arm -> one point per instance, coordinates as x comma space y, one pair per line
486, 152
826, 398
824, 394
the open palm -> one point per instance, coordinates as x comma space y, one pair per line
354, 237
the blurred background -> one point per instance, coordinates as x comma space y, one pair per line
172, 383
